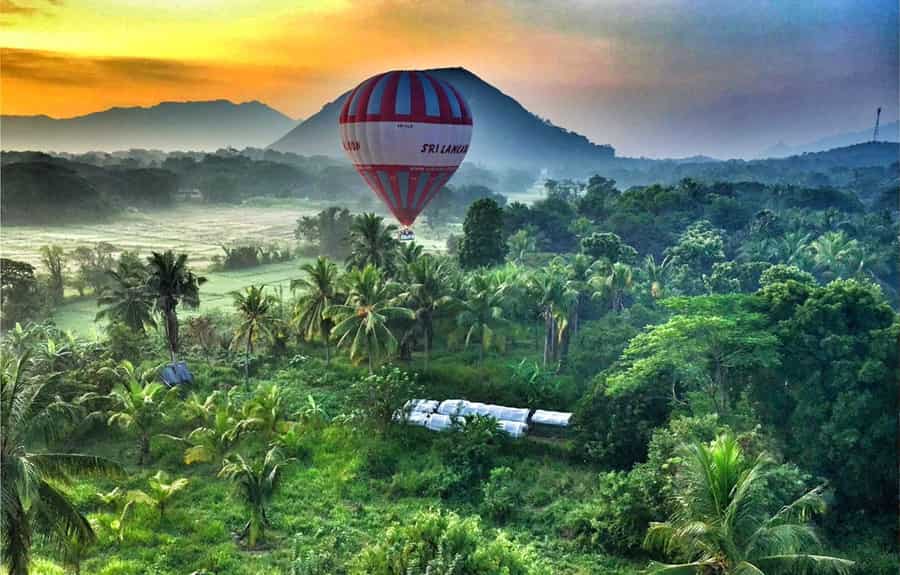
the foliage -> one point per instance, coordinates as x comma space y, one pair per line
320, 291
328, 231
378, 396
435, 542
255, 485
172, 283
471, 447
720, 525
54, 259
22, 298
34, 499
362, 322
616, 518
501, 495
483, 242
372, 243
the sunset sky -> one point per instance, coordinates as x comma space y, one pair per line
667, 77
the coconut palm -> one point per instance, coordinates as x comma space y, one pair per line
578, 282
721, 525
162, 491
32, 491
657, 275
426, 293
614, 284
409, 253
521, 245
255, 309
172, 283
255, 483
372, 243
139, 403
362, 322
319, 293
481, 311
834, 253
213, 440
126, 299
555, 302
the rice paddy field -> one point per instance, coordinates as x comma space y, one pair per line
196, 229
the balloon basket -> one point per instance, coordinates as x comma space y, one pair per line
406, 235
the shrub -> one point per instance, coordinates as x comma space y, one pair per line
436, 542
378, 396
616, 520
470, 449
501, 495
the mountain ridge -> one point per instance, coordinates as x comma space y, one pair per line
506, 134
168, 125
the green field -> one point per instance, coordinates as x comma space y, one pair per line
196, 229
77, 315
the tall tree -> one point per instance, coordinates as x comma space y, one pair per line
481, 311
362, 321
32, 494
483, 242
555, 301
125, 297
426, 293
54, 259
255, 309
172, 282
372, 243
614, 284
721, 523
319, 293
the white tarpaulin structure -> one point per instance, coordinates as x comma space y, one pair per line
439, 416
555, 418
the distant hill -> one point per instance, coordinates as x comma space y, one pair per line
887, 133
505, 135
165, 126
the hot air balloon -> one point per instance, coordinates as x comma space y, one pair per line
406, 132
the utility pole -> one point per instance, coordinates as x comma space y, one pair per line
877, 121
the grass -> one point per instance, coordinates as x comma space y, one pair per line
196, 229
330, 504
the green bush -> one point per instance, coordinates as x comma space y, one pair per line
501, 494
435, 542
616, 520
469, 450
378, 396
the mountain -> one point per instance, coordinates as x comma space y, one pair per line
505, 135
886, 133
166, 126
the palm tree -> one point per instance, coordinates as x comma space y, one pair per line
33, 500
362, 322
160, 494
657, 274
521, 245
482, 310
126, 299
320, 292
835, 253
579, 273
426, 293
555, 301
255, 307
409, 253
372, 243
171, 282
721, 525
139, 403
256, 484
615, 283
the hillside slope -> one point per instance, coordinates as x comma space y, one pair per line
165, 126
505, 135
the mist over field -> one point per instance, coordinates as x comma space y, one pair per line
645, 319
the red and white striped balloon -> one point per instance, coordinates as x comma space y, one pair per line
406, 132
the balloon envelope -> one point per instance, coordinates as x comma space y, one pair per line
406, 132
